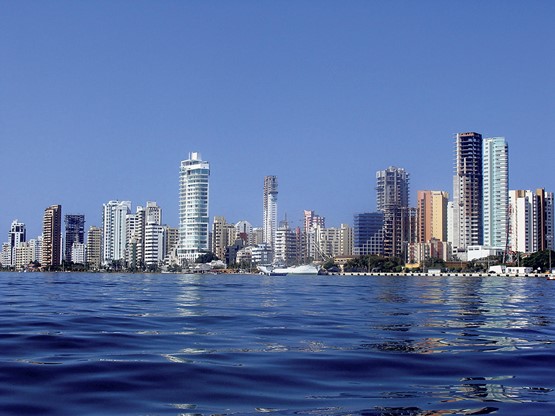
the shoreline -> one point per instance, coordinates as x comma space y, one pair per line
548, 276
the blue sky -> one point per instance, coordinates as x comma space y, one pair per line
101, 100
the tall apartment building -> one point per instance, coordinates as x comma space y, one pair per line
136, 229
531, 221
172, 240
193, 207
431, 228
52, 237
495, 191
74, 233
333, 242
114, 230
257, 236
153, 212
524, 221
545, 219
244, 232
286, 249
392, 196
134, 237
223, 235
94, 247
467, 192
431, 215
16, 237
26, 252
154, 245
270, 209
5, 254
313, 220
23, 255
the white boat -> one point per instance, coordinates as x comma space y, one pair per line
283, 271
270, 271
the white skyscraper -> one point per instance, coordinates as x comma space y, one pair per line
114, 230
193, 207
154, 244
524, 221
270, 209
495, 177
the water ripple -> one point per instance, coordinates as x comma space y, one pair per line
245, 345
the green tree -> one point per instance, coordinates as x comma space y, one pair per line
539, 260
206, 257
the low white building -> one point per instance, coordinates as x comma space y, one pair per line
78, 253
482, 252
502, 269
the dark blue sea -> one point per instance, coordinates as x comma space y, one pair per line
169, 344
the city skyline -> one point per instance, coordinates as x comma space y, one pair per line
480, 212
95, 113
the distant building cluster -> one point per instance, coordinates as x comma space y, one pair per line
483, 218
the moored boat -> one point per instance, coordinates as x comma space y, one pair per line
304, 269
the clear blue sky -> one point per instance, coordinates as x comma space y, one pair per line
101, 100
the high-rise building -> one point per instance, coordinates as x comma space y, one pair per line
16, 236
5, 254
257, 236
52, 237
285, 247
544, 214
23, 255
154, 244
94, 247
74, 233
153, 213
114, 235
135, 241
136, 226
368, 233
392, 196
333, 242
313, 220
193, 207
431, 215
308, 238
467, 192
531, 221
495, 191
223, 235
523, 228
244, 232
270, 209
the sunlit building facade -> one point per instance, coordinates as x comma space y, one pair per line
467, 192
114, 230
52, 237
193, 207
270, 209
495, 191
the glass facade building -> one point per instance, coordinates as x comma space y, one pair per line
495, 191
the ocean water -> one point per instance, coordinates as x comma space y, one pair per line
132, 344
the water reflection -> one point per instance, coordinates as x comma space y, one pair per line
188, 296
489, 389
415, 411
